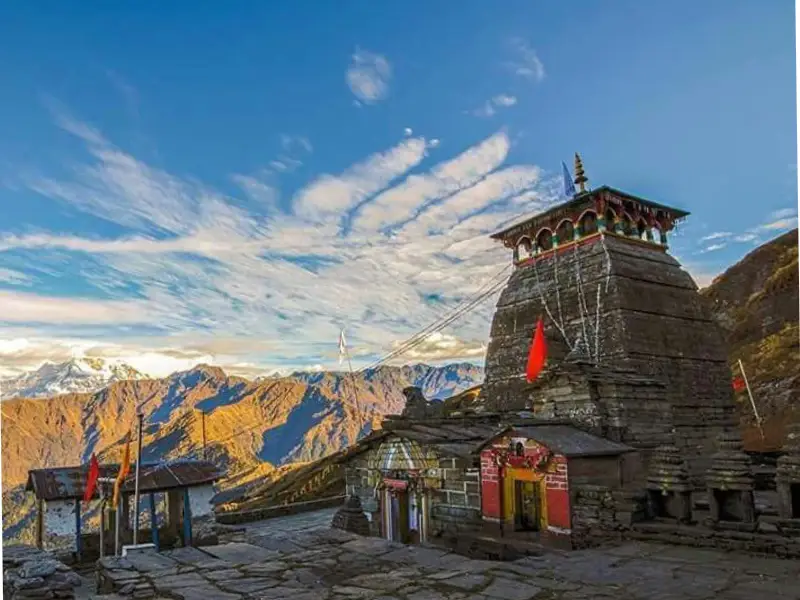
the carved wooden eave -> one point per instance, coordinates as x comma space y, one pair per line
598, 200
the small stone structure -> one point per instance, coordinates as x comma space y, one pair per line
32, 574
185, 485
669, 492
787, 477
730, 483
351, 517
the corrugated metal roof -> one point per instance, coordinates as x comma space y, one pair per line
570, 441
65, 483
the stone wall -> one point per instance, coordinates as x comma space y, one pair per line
600, 515
456, 507
620, 305
59, 525
29, 573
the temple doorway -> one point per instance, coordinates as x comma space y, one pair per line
396, 515
527, 506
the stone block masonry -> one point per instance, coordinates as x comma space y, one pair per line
29, 573
618, 306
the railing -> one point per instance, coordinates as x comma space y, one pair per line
281, 510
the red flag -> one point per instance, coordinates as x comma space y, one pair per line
738, 384
538, 353
91, 480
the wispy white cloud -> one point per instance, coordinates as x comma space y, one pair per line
526, 63
489, 109
714, 247
400, 203
368, 76
360, 249
716, 236
14, 277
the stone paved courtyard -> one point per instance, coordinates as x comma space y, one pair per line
301, 558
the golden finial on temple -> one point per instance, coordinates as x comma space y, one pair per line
580, 177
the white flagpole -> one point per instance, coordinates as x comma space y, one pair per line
752, 401
343, 349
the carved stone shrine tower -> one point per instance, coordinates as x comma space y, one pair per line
633, 352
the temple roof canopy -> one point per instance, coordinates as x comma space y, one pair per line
582, 201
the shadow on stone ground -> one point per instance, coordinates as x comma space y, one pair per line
301, 558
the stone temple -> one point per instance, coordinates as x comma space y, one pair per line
634, 354
629, 432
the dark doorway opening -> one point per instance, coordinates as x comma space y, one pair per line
526, 506
794, 492
729, 504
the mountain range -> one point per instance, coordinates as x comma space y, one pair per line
70, 377
251, 427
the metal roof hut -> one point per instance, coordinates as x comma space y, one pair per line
61, 513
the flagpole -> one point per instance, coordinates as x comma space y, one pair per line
344, 350
752, 401
355, 392
136, 484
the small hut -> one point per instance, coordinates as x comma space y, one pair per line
184, 489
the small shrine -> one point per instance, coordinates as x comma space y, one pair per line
526, 473
351, 517
669, 492
730, 483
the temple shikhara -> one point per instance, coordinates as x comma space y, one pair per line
629, 431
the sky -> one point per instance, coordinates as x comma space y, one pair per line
233, 183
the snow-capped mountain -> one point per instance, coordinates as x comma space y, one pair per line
73, 376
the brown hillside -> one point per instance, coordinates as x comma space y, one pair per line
756, 302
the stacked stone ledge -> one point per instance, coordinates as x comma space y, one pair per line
668, 477
351, 517
32, 574
731, 471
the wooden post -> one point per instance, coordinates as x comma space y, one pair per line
752, 402
136, 485
78, 545
154, 521
117, 519
187, 519
203, 418
102, 527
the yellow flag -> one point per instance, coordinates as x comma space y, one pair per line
124, 468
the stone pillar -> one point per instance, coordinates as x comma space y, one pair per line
730, 482
669, 492
350, 517
787, 475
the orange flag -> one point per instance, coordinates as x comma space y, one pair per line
124, 468
91, 480
538, 353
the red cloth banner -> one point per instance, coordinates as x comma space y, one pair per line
537, 354
91, 480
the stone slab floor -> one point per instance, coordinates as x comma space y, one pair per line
301, 558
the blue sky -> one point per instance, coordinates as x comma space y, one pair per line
232, 182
